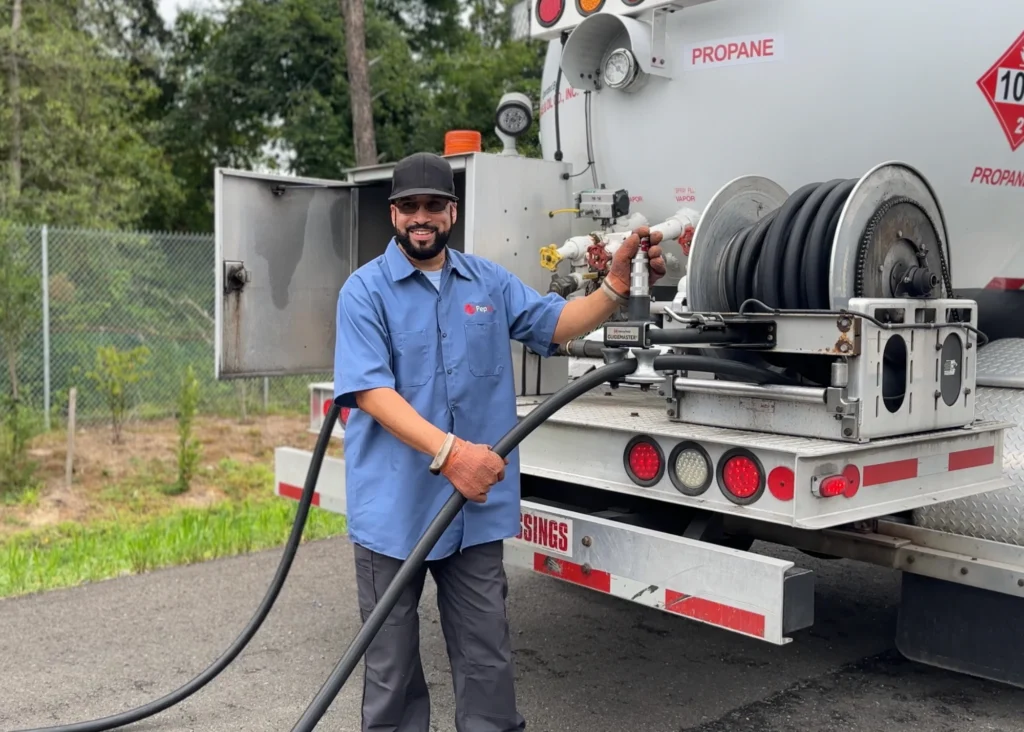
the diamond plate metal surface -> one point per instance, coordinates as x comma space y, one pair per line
1001, 363
999, 515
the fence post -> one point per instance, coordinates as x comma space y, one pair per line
46, 327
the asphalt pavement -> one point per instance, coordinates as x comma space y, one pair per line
586, 662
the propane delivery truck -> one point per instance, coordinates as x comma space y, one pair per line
835, 359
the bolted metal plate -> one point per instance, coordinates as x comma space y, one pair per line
877, 186
738, 204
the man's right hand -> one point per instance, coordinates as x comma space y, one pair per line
473, 469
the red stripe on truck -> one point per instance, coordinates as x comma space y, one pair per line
897, 470
890, 472
726, 616
294, 492
977, 457
572, 572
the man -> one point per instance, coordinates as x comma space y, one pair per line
423, 357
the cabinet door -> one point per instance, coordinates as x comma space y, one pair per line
284, 247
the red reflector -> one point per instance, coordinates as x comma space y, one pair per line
741, 476
780, 483
344, 414
852, 475
644, 461
327, 406
549, 11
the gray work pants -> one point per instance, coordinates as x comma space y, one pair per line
471, 592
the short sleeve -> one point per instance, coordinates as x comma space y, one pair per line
362, 350
532, 317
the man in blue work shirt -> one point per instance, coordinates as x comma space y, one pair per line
423, 357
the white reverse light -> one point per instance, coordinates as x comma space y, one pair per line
692, 470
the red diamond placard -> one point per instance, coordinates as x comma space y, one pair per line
1003, 87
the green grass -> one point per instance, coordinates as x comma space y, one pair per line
70, 554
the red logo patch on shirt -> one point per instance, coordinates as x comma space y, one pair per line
472, 309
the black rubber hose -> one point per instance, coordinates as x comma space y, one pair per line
783, 258
690, 336
687, 362
185, 691
325, 697
721, 367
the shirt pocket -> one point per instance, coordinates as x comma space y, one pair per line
412, 363
486, 342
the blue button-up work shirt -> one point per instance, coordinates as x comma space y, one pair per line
448, 353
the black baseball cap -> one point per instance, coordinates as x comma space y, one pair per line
423, 174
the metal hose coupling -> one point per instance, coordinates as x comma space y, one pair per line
639, 284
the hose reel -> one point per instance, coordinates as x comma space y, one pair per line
880, 235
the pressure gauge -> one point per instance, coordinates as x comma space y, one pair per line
514, 115
620, 68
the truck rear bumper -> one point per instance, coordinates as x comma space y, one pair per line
746, 593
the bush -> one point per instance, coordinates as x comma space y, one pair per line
115, 371
189, 448
18, 425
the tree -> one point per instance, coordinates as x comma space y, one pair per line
78, 149
353, 12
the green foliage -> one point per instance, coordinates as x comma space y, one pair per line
71, 554
86, 150
20, 311
115, 372
189, 450
262, 76
18, 425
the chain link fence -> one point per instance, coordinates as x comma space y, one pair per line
126, 290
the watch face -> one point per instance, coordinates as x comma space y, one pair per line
513, 120
617, 68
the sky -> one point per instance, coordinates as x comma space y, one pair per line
169, 8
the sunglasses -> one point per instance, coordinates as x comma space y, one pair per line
433, 205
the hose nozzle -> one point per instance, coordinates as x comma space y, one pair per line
639, 284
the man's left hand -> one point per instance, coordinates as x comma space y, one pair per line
622, 261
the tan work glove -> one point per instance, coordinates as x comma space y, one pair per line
622, 261
473, 469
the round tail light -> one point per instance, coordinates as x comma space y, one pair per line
741, 476
690, 469
644, 461
549, 12
345, 411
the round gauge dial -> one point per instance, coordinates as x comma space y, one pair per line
620, 68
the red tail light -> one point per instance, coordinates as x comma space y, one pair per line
550, 12
846, 484
344, 414
741, 476
644, 460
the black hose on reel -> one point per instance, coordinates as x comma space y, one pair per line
783, 259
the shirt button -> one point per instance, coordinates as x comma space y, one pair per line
449, 371
444, 335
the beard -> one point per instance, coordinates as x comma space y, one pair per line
420, 251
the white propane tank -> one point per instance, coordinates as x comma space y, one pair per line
801, 91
